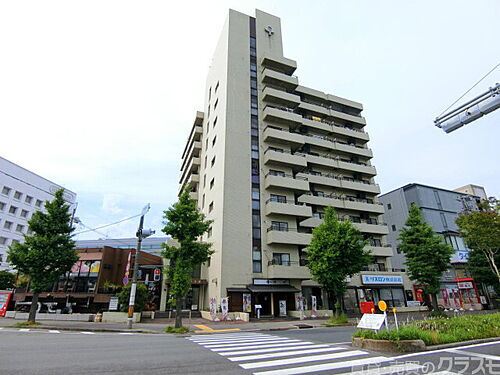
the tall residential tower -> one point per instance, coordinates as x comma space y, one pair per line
264, 160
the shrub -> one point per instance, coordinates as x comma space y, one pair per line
26, 324
141, 298
181, 329
338, 319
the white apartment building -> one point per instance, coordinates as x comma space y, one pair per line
263, 161
21, 194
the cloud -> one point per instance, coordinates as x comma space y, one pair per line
110, 203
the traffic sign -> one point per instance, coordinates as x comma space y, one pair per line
382, 305
125, 280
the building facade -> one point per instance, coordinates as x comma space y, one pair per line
152, 245
21, 194
439, 208
264, 160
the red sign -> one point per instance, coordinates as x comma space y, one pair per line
4, 302
367, 307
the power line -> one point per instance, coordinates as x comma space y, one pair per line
107, 225
477, 83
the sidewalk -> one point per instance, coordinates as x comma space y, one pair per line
158, 325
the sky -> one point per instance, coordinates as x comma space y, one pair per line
99, 96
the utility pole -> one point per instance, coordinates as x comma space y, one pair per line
141, 234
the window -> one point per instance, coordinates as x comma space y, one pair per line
38, 203
212, 183
273, 172
3, 240
13, 242
206, 144
28, 199
281, 226
255, 144
438, 200
215, 122
398, 250
13, 210
6, 190
393, 227
389, 207
212, 162
355, 219
215, 105
256, 220
2, 206
7, 225
371, 221
205, 161
213, 141
281, 259
443, 220
211, 207
24, 213
256, 261
18, 195
209, 233
217, 86
203, 201
204, 180
375, 242
208, 115
20, 228
255, 193
278, 198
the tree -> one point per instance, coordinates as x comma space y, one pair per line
336, 252
7, 280
479, 267
427, 256
481, 232
141, 298
185, 224
49, 251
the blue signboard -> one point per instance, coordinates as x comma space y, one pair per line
378, 279
459, 256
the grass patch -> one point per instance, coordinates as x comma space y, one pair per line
26, 324
337, 319
441, 330
171, 329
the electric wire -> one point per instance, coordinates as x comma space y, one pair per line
107, 225
477, 83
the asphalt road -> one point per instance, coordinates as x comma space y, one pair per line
311, 351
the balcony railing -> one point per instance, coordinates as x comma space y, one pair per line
286, 263
340, 178
332, 107
340, 197
286, 175
381, 268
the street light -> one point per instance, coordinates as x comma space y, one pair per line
141, 234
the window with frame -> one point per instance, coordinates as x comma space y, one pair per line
38, 203
281, 226
8, 225
6, 190
393, 227
28, 199
281, 259
19, 228
389, 206
443, 220
278, 198
12, 210
273, 172
18, 195
2, 206
211, 207
212, 183
256, 261
212, 162
355, 219
3, 240
24, 213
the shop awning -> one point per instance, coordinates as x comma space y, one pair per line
272, 289
237, 290
90, 256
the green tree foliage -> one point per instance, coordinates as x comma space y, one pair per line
141, 297
7, 280
481, 232
336, 252
479, 267
185, 224
427, 256
49, 251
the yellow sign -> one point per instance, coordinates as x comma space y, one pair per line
382, 305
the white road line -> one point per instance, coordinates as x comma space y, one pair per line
53, 331
125, 333
474, 354
313, 358
227, 336
444, 350
240, 340
445, 373
258, 351
234, 339
87, 333
282, 354
325, 367
1, 328
396, 369
24, 330
260, 346
249, 343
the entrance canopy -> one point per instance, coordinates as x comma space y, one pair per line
272, 289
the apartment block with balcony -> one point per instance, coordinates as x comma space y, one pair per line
264, 160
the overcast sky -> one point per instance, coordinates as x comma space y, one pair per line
99, 96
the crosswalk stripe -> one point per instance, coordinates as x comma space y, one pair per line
241, 340
87, 333
325, 366
224, 336
1, 327
24, 330
258, 351
291, 361
396, 369
274, 341
260, 346
53, 331
125, 333
282, 354
233, 339
474, 354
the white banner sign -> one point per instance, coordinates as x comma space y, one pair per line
412, 303
247, 302
282, 308
314, 306
377, 279
213, 307
299, 303
371, 321
465, 285
224, 305
113, 304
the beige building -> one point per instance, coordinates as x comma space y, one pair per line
264, 160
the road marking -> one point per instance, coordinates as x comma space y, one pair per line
324, 367
474, 354
234, 339
53, 331
261, 346
206, 329
214, 336
125, 333
444, 350
445, 373
1, 327
258, 351
282, 354
291, 361
258, 342
24, 330
87, 333
396, 369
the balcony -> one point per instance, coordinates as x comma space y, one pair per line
276, 134
191, 181
347, 117
357, 167
354, 149
363, 226
287, 237
280, 97
279, 63
380, 251
314, 108
287, 270
192, 166
193, 195
340, 182
282, 115
285, 208
286, 182
280, 79
284, 157
194, 149
348, 203
330, 126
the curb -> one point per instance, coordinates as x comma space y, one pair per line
461, 343
73, 329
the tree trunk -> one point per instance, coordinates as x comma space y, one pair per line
490, 255
178, 312
434, 302
33, 308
